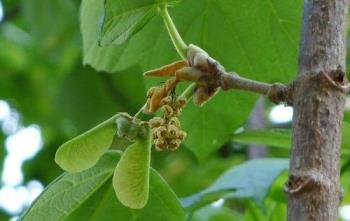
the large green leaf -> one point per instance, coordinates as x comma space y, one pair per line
210, 126
281, 137
123, 18
131, 176
269, 29
89, 196
83, 152
270, 137
87, 97
162, 206
258, 39
251, 179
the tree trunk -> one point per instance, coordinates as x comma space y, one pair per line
313, 188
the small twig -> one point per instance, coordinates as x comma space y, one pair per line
188, 92
276, 92
140, 112
234, 81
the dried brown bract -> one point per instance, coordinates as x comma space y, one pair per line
199, 68
156, 94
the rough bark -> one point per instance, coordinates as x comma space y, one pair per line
313, 188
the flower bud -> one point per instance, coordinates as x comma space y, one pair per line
156, 122
172, 131
174, 121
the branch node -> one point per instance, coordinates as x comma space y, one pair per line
333, 79
336, 79
279, 92
298, 184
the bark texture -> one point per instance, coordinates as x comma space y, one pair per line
313, 188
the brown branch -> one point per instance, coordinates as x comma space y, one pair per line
234, 81
277, 92
210, 74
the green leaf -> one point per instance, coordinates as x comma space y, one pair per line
345, 137
276, 191
83, 152
251, 179
270, 137
89, 196
79, 98
211, 126
347, 116
53, 27
211, 213
256, 38
70, 190
163, 205
281, 137
131, 176
55, 18
123, 18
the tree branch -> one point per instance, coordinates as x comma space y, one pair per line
277, 92
210, 75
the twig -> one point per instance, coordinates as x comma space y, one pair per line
276, 92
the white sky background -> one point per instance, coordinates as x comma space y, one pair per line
22, 143
1, 11
281, 114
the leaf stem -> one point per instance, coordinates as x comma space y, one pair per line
178, 42
138, 115
188, 92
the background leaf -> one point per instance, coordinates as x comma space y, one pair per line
270, 137
280, 137
211, 213
89, 196
251, 179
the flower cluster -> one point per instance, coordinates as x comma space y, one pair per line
166, 130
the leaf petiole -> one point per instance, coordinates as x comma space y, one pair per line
176, 38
